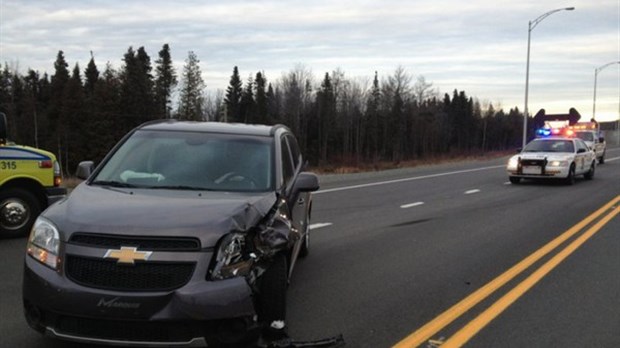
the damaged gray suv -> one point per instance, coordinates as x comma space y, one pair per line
185, 235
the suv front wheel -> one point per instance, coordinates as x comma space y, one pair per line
272, 300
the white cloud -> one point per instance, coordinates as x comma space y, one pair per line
478, 46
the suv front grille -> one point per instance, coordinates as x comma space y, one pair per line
143, 276
143, 243
126, 330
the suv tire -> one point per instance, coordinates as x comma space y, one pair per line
272, 300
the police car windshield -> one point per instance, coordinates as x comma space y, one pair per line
587, 136
180, 160
554, 145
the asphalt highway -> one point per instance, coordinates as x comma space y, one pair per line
448, 254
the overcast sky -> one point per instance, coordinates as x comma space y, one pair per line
479, 46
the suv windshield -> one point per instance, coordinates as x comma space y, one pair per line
191, 161
550, 146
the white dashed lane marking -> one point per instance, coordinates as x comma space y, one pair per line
472, 191
411, 205
319, 225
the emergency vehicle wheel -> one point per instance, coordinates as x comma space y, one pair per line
590, 174
18, 210
570, 179
514, 180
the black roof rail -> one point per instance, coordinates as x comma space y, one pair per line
163, 120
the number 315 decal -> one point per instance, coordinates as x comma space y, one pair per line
8, 165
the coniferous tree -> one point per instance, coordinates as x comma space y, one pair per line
72, 137
261, 99
30, 106
137, 97
57, 119
192, 88
326, 108
273, 108
372, 115
16, 111
91, 75
107, 116
233, 98
91, 78
165, 82
247, 104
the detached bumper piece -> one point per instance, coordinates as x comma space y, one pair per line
332, 342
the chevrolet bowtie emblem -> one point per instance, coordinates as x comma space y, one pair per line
127, 255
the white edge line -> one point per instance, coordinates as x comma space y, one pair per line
344, 188
471, 191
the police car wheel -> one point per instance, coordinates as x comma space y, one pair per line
18, 210
570, 179
590, 174
514, 180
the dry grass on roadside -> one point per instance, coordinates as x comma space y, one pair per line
347, 166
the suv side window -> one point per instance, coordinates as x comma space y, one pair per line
288, 169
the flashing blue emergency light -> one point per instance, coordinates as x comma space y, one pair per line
543, 132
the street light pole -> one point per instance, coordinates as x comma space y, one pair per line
596, 71
530, 27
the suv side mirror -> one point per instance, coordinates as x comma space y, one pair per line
306, 182
582, 150
84, 169
601, 140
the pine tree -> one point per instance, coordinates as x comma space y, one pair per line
261, 99
72, 138
92, 76
372, 116
233, 98
105, 130
165, 82
273, 106
247, 105
59, 80
137, 97
326, 102
191, 102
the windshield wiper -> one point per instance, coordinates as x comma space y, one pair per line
112, 183
180, 187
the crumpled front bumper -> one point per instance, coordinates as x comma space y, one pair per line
61, 308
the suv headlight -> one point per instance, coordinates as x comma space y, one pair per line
44, 243
232, 258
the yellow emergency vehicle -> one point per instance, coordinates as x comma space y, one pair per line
30, 181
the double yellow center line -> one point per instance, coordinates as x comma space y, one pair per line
424, 333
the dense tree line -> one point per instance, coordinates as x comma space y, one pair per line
80, 114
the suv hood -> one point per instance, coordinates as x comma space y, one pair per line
159, 212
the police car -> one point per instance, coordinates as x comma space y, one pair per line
553, 157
